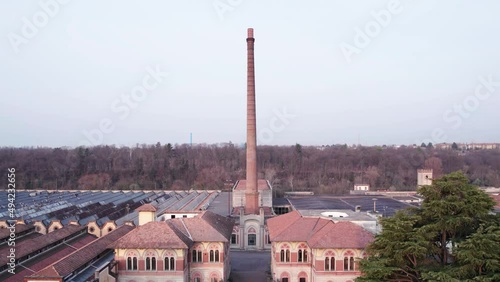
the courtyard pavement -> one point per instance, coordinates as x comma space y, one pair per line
250, 266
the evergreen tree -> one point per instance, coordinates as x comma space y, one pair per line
451, 237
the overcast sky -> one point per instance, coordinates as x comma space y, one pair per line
327, 72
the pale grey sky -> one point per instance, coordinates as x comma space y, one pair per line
327, 72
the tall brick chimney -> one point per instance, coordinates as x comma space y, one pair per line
251, 193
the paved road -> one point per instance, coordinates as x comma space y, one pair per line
250, 266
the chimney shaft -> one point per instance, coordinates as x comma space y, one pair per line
251, 193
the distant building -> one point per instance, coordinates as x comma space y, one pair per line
315, 248
361, 187
469, 146
249, 231
482, 146
424, 177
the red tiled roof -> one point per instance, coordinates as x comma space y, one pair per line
261, 185
78, 258
206, 227
179, 232
146, 208
278, 224
343, 234
317, 232
154, 235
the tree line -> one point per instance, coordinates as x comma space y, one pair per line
326, 169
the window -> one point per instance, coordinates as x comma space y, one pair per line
196, 256
285, 254
214, 280
329, 263
214, 254
284, 279
234, 239
150, 263
150, 260
131, 263
197, 279
252, 239
172, 216
302, 256
169, 263
349, 261
302, 279
268, 239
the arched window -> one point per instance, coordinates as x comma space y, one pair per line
252, 237
214, 254
214, 277
235, 236
131, 261
348, 261
196, 277
302, 276
302, 257
329, 261
196, 254
150, 261
285, 253
169, 262
285, 277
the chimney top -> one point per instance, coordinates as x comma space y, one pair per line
250, 32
